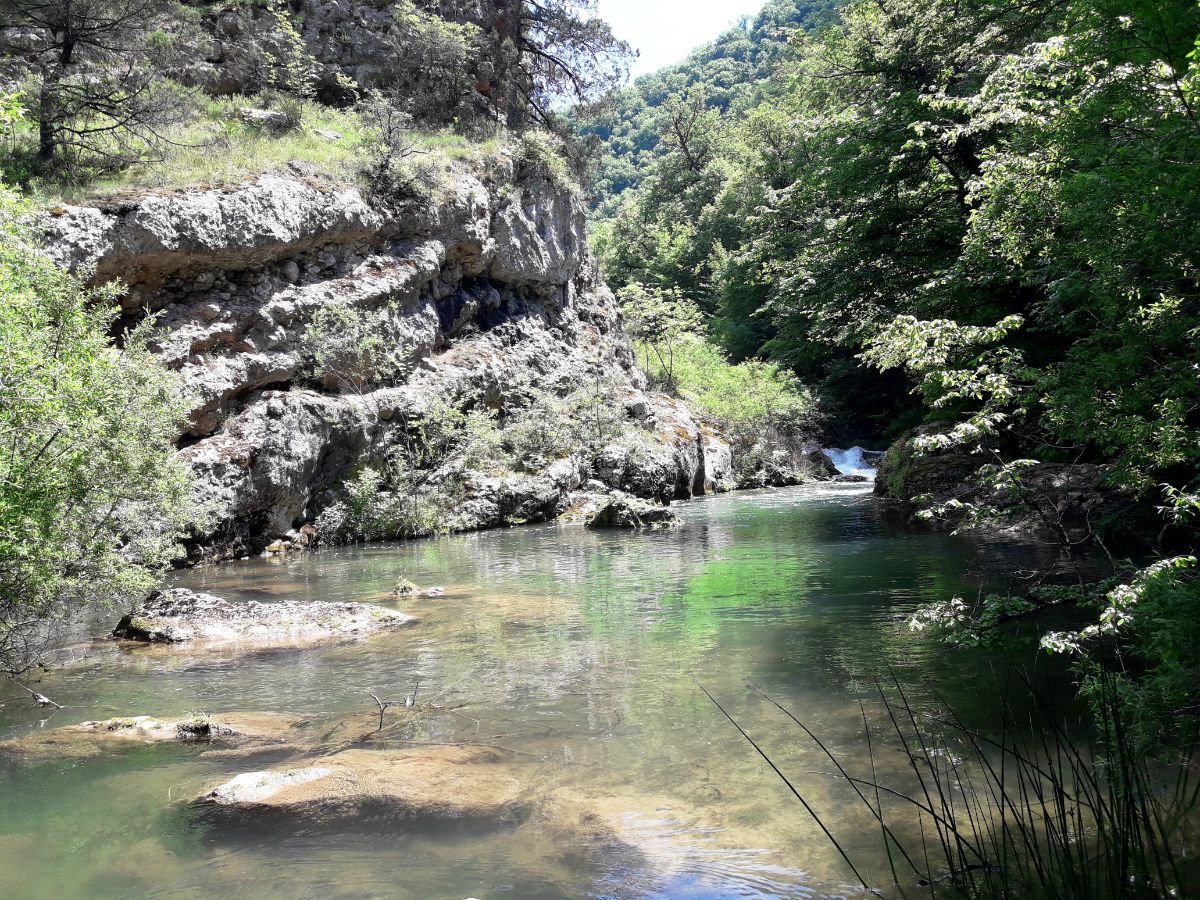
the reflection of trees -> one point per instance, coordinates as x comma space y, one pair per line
583, 645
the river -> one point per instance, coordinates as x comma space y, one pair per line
580, 652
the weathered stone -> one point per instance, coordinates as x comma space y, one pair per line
266, 118
624, 511
182, 616
476, 296
95, 738
433, 783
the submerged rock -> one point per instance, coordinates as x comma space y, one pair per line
432, 783
405, 588
182, 616
623, 511
94, 738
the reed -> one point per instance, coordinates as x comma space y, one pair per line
1030, 812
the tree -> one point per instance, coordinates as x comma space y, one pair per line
658, 320
552, 51
95, 69
691, 129
92, 501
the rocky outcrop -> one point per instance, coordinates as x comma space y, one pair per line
180, 616
1051, 501
474, 294
671, 455
623, 511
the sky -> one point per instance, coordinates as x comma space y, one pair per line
667, 30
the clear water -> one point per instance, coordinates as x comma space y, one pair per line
581, 652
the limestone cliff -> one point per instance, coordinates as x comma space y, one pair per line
479, 292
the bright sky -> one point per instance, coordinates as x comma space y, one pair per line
667, 30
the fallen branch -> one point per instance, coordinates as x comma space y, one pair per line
39, 699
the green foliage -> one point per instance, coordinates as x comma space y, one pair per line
93, 73
432, 64
548, 427
92, 502
541, 154
348, 349
293, 70
728, 74
12, 115
658, 320
997, 201
760, 406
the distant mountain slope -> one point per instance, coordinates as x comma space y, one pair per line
729, 72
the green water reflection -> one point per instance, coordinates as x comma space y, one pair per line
582, 653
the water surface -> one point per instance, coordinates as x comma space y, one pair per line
580, 652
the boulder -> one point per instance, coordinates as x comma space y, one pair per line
1076, 495
95, 738
178, 616
815, 463
266, 118
621, 510
428, 784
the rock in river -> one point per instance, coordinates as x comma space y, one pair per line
95, 738
182, 616
624, 511
432, 783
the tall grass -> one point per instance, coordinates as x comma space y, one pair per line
218, 147
1027, 812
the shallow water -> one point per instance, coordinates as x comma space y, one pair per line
580, 652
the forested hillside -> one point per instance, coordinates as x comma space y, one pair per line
962, 162
728, 75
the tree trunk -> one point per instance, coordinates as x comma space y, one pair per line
47, 133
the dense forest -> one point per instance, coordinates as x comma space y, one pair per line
964, 232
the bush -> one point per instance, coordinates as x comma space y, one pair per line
375, 508
549, 427
348, 349
540, 154
415, 491
91, 499
760, 406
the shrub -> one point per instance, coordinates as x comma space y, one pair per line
346, 348
549, 427
761, 406
91, 499
415, 491
540, 154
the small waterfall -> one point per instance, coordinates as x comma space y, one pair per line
855, 461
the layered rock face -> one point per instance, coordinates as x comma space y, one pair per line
474, 295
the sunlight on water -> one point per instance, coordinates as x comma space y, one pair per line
579, 653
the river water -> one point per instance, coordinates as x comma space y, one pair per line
582, 653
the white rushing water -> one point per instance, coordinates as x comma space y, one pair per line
855, 461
